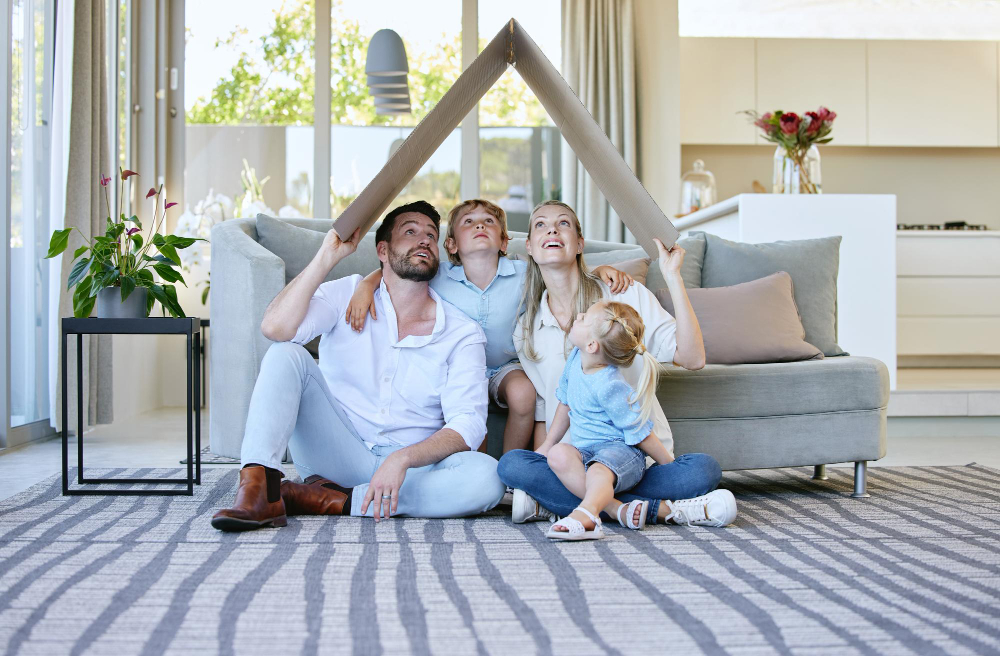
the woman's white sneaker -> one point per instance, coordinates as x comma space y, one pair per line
524, 508
717, 508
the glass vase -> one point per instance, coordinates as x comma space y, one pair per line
792, 176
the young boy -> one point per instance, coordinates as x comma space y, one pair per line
486, 285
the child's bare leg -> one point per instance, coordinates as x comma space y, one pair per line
519, 394
567, 463
539, 437
600, 482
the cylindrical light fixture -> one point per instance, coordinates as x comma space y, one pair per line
390, 93
386, 55
386, 81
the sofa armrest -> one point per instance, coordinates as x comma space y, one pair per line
245, 278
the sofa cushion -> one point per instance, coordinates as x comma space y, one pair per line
812, 264
637, 268
722, 391
297, 244
751, 322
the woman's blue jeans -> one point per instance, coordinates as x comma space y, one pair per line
690, 475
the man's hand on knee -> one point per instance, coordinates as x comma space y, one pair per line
383, 489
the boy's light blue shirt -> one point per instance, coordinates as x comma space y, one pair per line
599, 409
493, 308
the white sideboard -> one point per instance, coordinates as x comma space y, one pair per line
948, 292
866, 284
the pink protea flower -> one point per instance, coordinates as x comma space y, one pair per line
168, 206
790, 123
151, 192
826, 115
126, 174
105, 179
815, 123
764, 122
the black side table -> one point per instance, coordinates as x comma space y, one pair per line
190, 327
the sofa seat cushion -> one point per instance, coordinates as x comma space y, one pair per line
844, 384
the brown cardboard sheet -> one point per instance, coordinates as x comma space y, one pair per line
512, 45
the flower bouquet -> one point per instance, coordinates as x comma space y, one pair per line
120, 258
796, 137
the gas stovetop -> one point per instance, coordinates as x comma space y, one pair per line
950, 225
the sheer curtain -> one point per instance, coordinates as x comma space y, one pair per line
79, 155
598, 62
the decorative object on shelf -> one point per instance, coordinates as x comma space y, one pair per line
386, 67
118, 263
697, 189
796, 160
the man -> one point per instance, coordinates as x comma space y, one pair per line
389, 420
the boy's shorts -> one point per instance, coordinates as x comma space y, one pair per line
498, 377
627, 462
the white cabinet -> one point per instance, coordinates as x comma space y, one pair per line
799, 75
948, 291
716, 82
932, 93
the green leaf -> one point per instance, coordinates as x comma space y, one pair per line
137, 242
77, 273
134, 219
169, 251
168, 273
128, 284
175, 307
149, 303
80, 251
158, 239
83, 301
59, 241
204, 295
144, 278
182, 242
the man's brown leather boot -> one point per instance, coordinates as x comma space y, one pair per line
311, 498
252, 509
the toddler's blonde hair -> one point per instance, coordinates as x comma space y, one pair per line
620, 334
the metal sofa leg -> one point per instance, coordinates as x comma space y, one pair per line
819, 473
860, 479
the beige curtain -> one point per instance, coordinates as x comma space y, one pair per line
88, 158
598, 62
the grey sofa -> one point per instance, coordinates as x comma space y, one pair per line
747, 416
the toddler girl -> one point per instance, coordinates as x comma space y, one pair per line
609, 422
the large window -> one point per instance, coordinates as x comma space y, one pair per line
31, 83
250, 85
249, 88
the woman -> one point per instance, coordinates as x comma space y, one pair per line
558, 287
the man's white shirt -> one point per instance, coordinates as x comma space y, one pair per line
400, 392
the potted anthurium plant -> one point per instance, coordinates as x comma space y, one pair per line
116, 269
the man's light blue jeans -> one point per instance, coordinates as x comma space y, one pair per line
690, 475
292, 407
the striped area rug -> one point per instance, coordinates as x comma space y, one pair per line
805, 570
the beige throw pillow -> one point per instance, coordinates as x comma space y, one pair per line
752, 322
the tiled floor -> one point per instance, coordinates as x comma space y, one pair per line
156, 439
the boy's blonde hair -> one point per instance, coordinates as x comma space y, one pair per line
588, 293
620, 335
464, 208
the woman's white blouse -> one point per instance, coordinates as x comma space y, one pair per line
553, 346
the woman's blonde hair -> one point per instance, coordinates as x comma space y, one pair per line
588, 293
464, 208
620, 335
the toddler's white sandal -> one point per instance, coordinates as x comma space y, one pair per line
575, 529
627, 519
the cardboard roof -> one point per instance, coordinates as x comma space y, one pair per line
512, 46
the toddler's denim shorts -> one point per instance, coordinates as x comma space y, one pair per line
627, 462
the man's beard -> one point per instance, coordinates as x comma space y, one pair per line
406, 269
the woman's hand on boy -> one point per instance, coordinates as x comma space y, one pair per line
617, 280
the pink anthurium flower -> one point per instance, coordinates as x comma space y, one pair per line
126, 174
105, 179
168, 206
151, 192
131, 231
